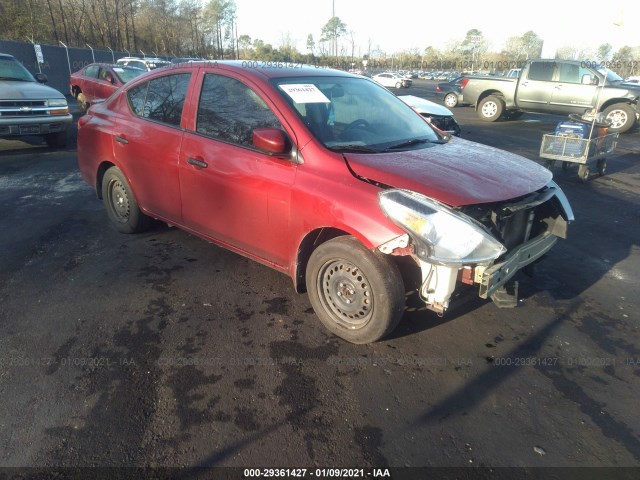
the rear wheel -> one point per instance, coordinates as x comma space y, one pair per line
399, 85
357, 294
490, 108
602, 166
82, 100
122, 207
451, 100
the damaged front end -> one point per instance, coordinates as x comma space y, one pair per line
483, 245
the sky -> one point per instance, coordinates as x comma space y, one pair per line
395, 27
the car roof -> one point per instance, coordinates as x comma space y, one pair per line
278, 70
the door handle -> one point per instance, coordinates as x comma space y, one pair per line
197, 163
120, 139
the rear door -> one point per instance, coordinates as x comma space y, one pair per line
147, 142
231, 191
534, 91
88, 86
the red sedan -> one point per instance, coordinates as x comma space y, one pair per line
322, 175
98, 81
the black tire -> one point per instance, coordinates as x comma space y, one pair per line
602, 166
490, 108
56, 140
357, 294
621, 116
451, 100
122, 207
566, 165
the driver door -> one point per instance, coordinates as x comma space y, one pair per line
231, 191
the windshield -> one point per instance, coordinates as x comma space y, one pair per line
11, 69
610, 75
126, 74
355, 114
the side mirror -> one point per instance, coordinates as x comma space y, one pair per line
589, 80
41, 77
271, 140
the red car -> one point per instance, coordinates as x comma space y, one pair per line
324, 176
98, 81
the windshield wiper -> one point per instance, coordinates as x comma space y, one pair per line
14, 79
353, 148
407, 143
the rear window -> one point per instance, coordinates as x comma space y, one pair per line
541, 71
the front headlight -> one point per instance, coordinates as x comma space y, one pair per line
57, 102
58, 106
442, 235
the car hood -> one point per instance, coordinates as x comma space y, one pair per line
423, 106
13, 90
457, 173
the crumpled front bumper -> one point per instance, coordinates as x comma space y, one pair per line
495, 276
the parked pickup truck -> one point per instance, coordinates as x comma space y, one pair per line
556, 86
29, 108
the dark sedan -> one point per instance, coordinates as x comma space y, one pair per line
450, 92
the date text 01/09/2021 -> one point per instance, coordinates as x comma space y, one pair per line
316, 473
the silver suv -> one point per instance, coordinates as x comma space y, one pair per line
29, 108
146, 63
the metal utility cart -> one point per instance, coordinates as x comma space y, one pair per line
582, 140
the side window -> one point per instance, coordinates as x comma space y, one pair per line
229, 111
105, 74
136, 98
569, 73
160, 99
92, 71
541, 71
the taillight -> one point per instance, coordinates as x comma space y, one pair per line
437, 88
464, 82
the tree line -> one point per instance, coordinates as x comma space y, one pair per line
191, 28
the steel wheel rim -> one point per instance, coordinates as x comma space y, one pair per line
450, 101
489, 109
346, 293
618, 118
119, 201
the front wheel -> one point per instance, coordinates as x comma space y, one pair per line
56, 140
357, 294
122, 207
621, 116
490, 108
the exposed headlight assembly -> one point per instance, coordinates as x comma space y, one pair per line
442, 235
